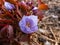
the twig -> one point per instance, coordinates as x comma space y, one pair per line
18, 11
46, 17
53, 33
47, 38
56, 43
17, 41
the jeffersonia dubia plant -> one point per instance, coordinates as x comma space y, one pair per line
28, 24
9, 6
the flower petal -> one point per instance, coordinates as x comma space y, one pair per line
9, 6
34, 18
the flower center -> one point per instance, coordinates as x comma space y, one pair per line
28, 24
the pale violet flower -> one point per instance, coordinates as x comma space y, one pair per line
9, 6
35, 8
28, 24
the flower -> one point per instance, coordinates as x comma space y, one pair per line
35, 8
38, 12
28, 24
9, 6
